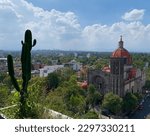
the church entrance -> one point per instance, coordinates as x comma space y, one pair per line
99, 83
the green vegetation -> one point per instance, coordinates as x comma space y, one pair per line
60, 91
100, 63
52, 81
93, 97
130, 102
2, 77
3, 95
112, 102
147, 84
90, 115
67, 98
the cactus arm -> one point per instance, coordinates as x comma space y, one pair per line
11, 72
34, 42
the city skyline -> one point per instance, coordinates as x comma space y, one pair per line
94, 25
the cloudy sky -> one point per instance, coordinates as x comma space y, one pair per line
87, 25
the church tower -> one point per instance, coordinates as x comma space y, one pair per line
120, 77
118, 60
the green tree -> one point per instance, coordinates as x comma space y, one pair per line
68, 98
148, 75
65, 74
138, 60
147, 84
138, 96
93, 97
52, 81
76, 104
129, 102
8, 83
36, 97
3, 96
35, 100
112, 102
74, 96
100, 63
2, 77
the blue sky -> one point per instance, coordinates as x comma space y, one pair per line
91, 25
96, 11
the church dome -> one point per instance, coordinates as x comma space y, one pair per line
121, 52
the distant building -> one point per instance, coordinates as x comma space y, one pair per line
49, 69
35, 72
3, 61
88, 55
3, 64
61, 54
17, 67
54, 62
120, 77
146, 64
76, 66
37, 65
75, 54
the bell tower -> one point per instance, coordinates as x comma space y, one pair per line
117, 75
117, 62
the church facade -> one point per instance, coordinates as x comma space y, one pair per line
120, 76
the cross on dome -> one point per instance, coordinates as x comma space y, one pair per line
121, 52
120, 37
121, 42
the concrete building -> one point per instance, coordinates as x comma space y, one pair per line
49, 69
76, 66
120, 77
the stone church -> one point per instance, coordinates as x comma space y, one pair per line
120, 77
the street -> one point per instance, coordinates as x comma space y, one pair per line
142, 113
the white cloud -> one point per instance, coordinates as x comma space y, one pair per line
51, 28
134, 15
105, 38
61, 30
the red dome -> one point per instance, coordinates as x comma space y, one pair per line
122, 53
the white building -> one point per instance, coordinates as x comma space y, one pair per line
76, 66
88, 55
49, 69
3, 61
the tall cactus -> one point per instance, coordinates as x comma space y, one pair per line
26, 71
